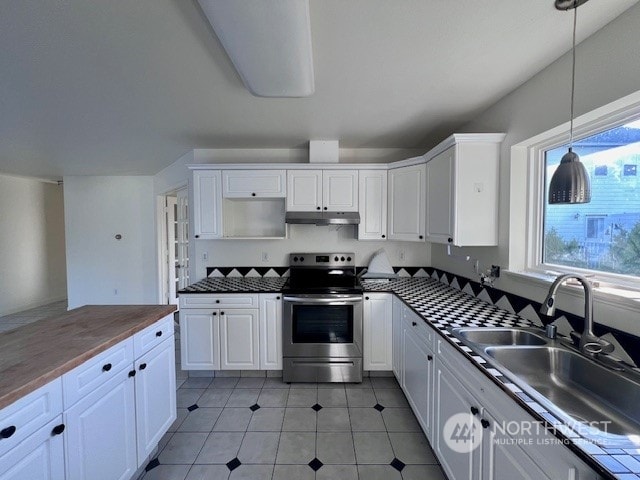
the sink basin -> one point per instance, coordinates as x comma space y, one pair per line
599, 403
499, 336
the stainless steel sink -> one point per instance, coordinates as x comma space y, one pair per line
600, 404
500, 336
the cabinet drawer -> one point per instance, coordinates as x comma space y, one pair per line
94, 372
228, 300
253, 183
31, 412
152, 335
417, 325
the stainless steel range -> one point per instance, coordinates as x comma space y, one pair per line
322, 319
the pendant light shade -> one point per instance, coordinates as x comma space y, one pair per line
570, 182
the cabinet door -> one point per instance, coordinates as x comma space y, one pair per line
304, 190
39, 457
207, 204
452, 398
155, 383
199, 339
270, 332
397, 334
239, 342
253, 183
100, 435
376, 329
340, 190
407, 203
440, 171
503, 458
372, 204
417, 379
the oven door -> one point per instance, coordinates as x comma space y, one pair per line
322, 326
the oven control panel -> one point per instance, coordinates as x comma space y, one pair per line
322, 259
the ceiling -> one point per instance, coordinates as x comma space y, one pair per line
120, 87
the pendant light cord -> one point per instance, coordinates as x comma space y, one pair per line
573, 75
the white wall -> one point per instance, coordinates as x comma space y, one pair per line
32, 255
607, 69
101, 269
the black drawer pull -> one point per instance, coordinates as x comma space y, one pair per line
58, 429
384, 236
221, 313
7, 432
277, 298
159, 334
420, 237
485, 423
414, 324
366, 298
132, 373
253, 194
429, 357
474, 410
217, 301
143, 366
106, 367
214, 313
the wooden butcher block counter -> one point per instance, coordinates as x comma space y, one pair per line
35, 354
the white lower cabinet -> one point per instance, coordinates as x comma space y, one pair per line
199, 339
39, 457
270, 331
100, 436
155, 386
377, 316
239, 347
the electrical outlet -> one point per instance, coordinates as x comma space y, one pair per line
401, 254
265, 256
495, 271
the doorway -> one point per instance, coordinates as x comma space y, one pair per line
174, 245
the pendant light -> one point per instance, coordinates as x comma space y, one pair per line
570, 182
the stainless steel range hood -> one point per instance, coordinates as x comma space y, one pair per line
323, 218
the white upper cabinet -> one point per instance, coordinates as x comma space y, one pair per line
407, 203
372, 204
318, 190
462, 190
207, 204
340, 190
253, 183
304, 190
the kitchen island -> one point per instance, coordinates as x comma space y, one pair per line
87, 394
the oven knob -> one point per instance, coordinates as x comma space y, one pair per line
302, 259
295, 259
342, 259
336, 258
348, 259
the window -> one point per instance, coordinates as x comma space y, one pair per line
603, 235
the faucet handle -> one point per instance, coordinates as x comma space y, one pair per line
551, 331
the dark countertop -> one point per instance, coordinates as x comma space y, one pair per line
444, 307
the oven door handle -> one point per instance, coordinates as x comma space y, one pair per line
324, 301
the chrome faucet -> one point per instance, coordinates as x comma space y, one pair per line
589, 343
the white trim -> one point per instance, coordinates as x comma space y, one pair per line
458, 138
161, 225
527, 190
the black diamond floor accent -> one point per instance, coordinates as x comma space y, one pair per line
152, 464
378, 407
193, 407
397, 464
317, 407
315, 464
235, 463
254, 407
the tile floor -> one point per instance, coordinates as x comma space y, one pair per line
261, 428
233, 428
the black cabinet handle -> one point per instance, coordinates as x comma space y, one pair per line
7, 432
485, 423
106, 367
420, 237
317, 208
450, 240
197, 236
474, 410
429, 357
366, 298
214, 313
58, 429
132, 373
253, 194
414, 323
384, 236
221, 313
159, 333
143, 366
217, 301
277, 298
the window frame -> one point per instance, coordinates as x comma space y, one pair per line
604, 118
